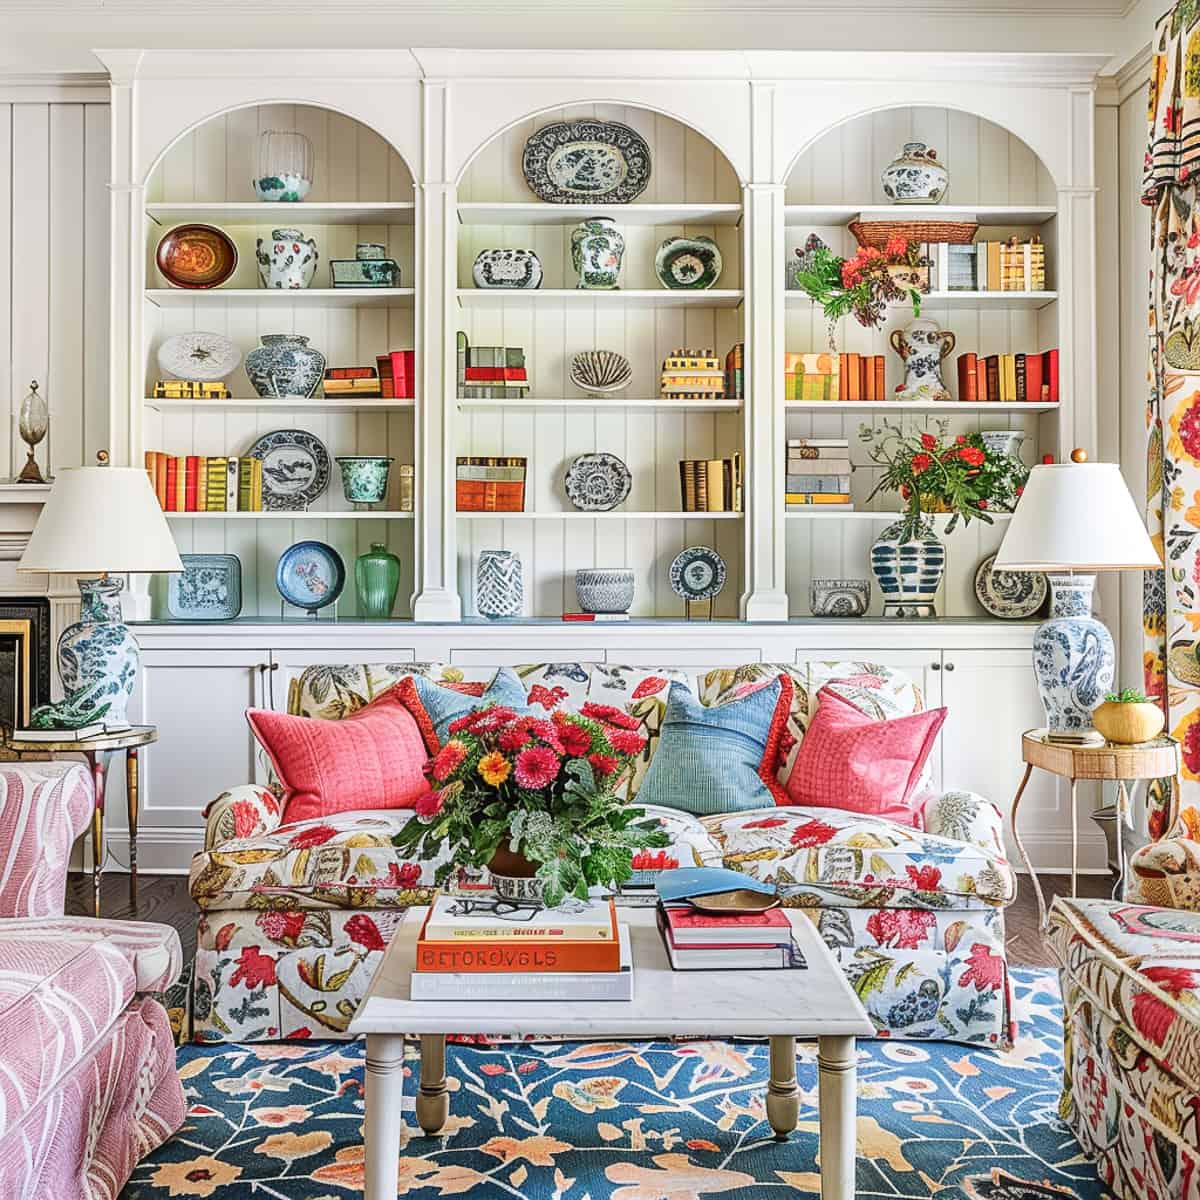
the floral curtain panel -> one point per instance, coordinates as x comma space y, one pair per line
1171, 614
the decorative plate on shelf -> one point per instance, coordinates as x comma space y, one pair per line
688, 263
698, 573
1012, 595
601, 371
199, 357
209, 588
571, 162
196, 256
513, 269
310, 575
295, 469
597, 482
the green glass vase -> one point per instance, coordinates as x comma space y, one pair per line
376, 580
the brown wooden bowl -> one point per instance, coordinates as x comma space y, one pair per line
196, 256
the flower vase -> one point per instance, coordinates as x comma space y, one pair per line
376, 580
922, 346
908, 570
1004, 446
597, 248
499, 585
513, 876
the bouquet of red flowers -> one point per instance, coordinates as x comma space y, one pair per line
862, 286
540, 787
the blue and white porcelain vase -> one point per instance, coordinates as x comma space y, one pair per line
365, 477
1074, 659
908, 569
284, 365
97, 662
597, 248
499, 584
916, 177
287, 260
922, 346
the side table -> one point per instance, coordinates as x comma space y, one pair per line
97, 751
1158, 759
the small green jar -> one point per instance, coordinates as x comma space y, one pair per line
376, 580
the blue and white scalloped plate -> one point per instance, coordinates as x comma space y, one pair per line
310, 575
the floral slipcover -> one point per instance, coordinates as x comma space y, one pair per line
1131, 1090
295, 916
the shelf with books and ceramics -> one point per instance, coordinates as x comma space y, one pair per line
801, 216
660, 404
309, 404
615, 514
579, 297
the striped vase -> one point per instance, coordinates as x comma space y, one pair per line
499, 584
908, 572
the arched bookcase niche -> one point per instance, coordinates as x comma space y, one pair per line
693, 190
362, 192
997, 179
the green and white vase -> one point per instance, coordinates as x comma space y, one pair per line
376, 580
365, 477
597, 248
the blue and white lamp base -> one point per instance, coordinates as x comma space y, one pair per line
1074, 659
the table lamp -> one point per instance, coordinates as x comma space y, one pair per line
97, 520
1075, 519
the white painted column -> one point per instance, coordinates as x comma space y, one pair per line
765, 597
436, 576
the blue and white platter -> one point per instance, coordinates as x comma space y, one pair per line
572, 162
698, 573
295, 469
209, 588
1010, 595
310, 575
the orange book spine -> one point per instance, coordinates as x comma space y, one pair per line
880, 376
160, 478
516, 954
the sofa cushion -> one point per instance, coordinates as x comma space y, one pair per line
58, 999
436, 706
332, 691
719, 758
827, 857
1141, 966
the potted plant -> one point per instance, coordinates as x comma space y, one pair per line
862, 286
1128, 717
535, 800
933, 473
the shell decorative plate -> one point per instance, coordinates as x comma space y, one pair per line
597, 482
199, 357
310, 575
571, 162
196, 256
1011, 595
601, 371
698, 573
295, 469
688, 263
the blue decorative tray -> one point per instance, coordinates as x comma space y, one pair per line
209, 588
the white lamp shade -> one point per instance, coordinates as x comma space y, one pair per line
1076, 517
101, 519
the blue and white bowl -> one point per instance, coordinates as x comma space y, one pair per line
604, 589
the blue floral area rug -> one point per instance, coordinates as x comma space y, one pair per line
631, 1121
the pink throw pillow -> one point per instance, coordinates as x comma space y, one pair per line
374, 758
849, 761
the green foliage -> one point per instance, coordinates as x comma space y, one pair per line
1128, 696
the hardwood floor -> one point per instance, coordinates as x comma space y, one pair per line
164, 898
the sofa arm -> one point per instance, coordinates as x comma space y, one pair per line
241, 812
966, 817
44, 808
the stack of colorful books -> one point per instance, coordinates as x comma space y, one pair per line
861, 377
482, 948
489, 484
398, 374
1009, 377
200, 483
818, 474
187, 389
754, 941
692, 375
491, 372
711, 484
735, 373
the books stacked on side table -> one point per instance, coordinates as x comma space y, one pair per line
485, 948
700, 941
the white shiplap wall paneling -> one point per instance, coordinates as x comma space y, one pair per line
988, 166
215, 164
687, 169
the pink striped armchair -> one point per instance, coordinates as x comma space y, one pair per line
89, 1084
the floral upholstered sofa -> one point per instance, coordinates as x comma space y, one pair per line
295, 916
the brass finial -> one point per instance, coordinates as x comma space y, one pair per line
1079, 455
102, 458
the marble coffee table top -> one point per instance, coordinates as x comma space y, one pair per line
809, 1003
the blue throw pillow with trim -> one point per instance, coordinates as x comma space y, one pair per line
443, 705
720, 759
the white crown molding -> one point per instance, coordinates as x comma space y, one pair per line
51, 87
1134, 75
363, 66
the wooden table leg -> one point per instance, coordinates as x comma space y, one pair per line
838, 1103
1074, 839
381, 1127
783, 1093
131, 796
1037, 887
433, 1097
1123, 808
99, 766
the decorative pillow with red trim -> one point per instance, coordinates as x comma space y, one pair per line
719, 759
372, 759
851, 762
436, 706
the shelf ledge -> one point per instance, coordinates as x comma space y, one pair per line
315, 297
614, 515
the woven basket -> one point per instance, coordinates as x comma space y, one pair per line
877, 233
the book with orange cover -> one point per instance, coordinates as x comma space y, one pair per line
968, 368
866, 378
160, 478
880, 376
853, 378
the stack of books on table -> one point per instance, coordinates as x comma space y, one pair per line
700, 941
476, 948
818, 474
486, 483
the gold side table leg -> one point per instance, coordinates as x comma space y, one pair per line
131, 796
1037, 887
433, 1097
1074, 838
783, 1093
99, 765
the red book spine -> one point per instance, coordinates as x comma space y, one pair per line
496, 374
191, 466
172, 477
1050, 374
992, 375
350, 373
1034, 364
403, 373
518, 954
866, 377
968, 378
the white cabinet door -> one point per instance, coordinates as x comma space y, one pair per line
993, 698
204, 746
